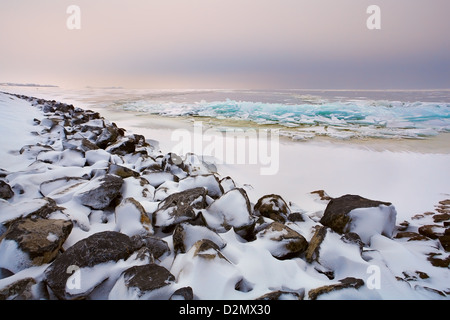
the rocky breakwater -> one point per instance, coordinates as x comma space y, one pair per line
102, 214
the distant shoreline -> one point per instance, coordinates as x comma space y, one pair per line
31, 85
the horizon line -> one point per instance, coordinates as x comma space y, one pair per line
118, 87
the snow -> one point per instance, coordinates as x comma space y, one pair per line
132, 188
93, 156
12, 257
158, 178
52, 237
16, 130
207, 181
209, 278
196, 233
367, 222
256, 265
66, 158
345, 257
11, 212
412, 182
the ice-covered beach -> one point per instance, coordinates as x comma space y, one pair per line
241, 234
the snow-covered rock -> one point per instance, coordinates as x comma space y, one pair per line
283, 295
38, 242
232, 210
100, 248
122, 171
186, 235
93, 156
157, 178
131, 218
62, 190
281, 241
352, 213
274, 207
179, 207
157, 247
367, 222
126, 145
138, 188
31, 208
66, 158
209, 182
146, 282
107, 135
99, 192
23, 289
173, 163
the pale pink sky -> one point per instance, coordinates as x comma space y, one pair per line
227, 44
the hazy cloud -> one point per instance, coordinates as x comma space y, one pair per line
218, 43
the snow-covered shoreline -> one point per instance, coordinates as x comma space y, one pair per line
410, 173
199, 234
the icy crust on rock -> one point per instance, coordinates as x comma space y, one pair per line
149, 225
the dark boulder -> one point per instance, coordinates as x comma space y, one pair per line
102, 192
143, 282
126, 145
336, 214
155, 245
97, 249
350, 213
445, 240
296, 217
5, 191
107, 136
